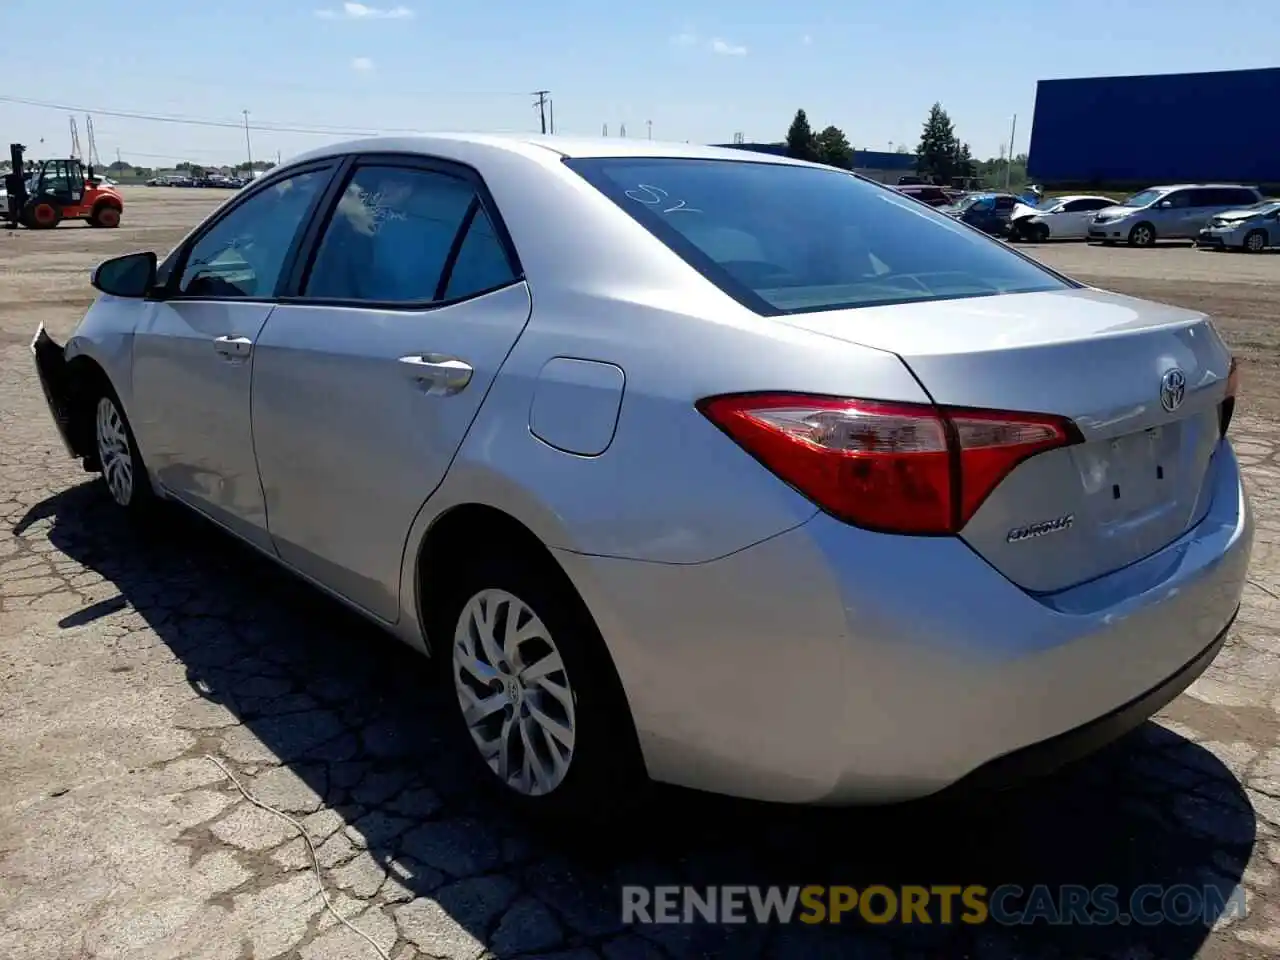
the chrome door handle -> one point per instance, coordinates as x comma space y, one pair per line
233, 348
440, 374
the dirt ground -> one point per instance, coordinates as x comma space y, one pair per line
127, 657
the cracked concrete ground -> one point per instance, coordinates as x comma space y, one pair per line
127, 655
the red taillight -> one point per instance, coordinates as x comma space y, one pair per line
1228, 406
898, 467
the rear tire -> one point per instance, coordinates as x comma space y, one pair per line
1142, 235
123, 471
1255, 241
532, 691
105, 215
1039, 233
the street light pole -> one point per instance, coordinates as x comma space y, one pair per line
248, 145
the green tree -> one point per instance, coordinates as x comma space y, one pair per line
965, 166
938, 152
833, 148
801, 143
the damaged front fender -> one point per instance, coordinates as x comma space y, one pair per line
62, 392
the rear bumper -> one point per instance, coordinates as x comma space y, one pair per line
1048, 755
833, 665
56, 382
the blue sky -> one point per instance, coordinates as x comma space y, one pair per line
698, 69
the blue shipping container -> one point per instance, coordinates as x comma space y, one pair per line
1175, 128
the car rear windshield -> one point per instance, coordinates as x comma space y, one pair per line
785, 239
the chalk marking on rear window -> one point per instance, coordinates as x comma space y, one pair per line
655, 196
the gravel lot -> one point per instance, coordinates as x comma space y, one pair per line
128, 656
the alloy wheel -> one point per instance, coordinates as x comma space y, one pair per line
514, 692
114, 453
1254, 242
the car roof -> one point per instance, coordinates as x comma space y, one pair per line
1185, 186
535, 144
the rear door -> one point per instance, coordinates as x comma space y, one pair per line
367, 379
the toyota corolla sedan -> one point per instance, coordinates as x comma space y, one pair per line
685, 464
1252, 229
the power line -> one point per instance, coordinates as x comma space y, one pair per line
267, 126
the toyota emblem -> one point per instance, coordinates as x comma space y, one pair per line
1173, 389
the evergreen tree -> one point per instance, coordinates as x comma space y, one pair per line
801, 143
833, 148
937, 155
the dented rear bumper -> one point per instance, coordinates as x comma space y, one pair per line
57, 382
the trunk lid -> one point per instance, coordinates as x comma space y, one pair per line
1137, 482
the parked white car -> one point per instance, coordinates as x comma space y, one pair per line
1059, 218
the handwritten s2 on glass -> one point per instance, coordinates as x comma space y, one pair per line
657, 197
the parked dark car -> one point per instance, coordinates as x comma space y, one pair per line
926, 193
989, 212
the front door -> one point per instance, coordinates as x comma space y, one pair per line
193, 354
364, 388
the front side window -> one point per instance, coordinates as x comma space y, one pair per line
393, 236
789, 239
244, 253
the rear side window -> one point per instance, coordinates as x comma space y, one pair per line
405, 235
790, 239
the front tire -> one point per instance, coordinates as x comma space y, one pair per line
1256, 241
538, 703
42, 215
121, 464
1142, 235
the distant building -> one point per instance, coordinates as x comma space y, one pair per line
1163, 128
880, 165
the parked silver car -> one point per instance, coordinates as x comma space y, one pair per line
1253, 228
1168, 213
716, 468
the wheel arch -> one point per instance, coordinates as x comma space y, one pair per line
87, 380
455, 534
463, 529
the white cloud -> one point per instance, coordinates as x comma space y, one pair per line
359, 11
363, 64
806, 39
686, 39
726, 49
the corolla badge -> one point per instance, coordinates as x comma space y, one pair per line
1041, 529
1173, 389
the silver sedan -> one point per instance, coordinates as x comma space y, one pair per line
685, 464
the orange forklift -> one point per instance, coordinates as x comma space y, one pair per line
54, 191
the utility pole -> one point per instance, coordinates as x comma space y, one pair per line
622, 129
551, 109
649, 124
1008, 170
541, 104
248, 145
